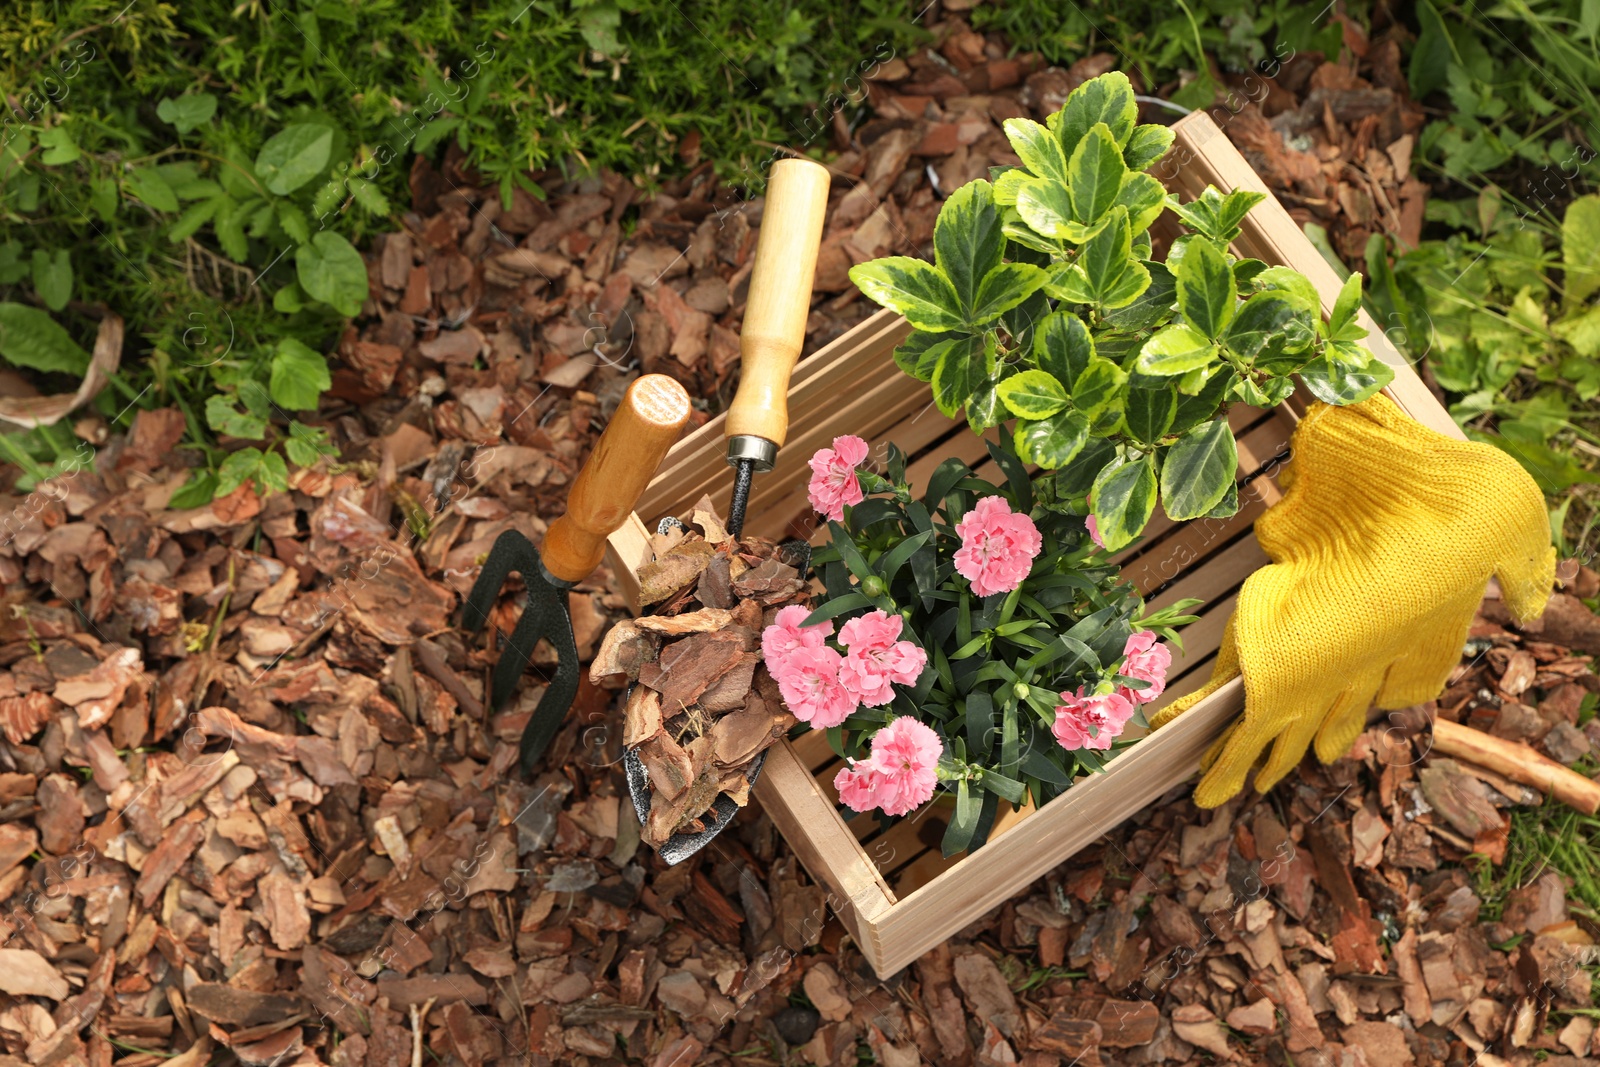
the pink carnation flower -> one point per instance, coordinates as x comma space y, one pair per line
1094, 531
1143, 658
900, 775
877, 660
858, 785
833, 476
786, 635
997, 546
809, 683
1105, 714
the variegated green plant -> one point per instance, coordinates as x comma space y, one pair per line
1044, 310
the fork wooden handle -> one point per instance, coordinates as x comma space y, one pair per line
649, 420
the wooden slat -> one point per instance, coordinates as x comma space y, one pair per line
789, 795
1084, 813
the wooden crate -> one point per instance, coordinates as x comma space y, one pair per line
892, 889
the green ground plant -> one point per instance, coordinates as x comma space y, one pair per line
209, 170
1501, 311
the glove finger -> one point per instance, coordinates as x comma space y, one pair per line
1290, 747
1223, 671
1422, 671
1527, 582
1346, 719
1245, 742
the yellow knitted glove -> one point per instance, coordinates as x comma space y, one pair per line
1381, 548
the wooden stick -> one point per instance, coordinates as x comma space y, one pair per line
1518, 762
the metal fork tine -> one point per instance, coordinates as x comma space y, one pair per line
543, 616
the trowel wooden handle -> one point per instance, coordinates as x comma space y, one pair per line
780, 298
649, 420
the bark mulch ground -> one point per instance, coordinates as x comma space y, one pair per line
253, 808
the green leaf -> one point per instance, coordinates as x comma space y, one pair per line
1098, 386
1007, 184
293, 156
13, 268
1293, 285
955, 376
306, 444
1197, 471
1266, 325
1046, 206
1175, 349
1107, 99
331, 270
1431, 55
1078, 478
1003, 288
1152, 307
194, 216
294, 222
1206, 289
1342, 325
103, 197
289, 298
1038, 148
1095, 175
228, 225
1147, 145
919, 353
984, 409
265, 469
1580, 248
1195, 408
299, 376
147, 184
59, 147
1334, 383
1228, 506
1215, 216
1149, 412
434, 132
373, 202
197, 492
1053, 442
31, 338
52, 277
912, 287
1144, 197
1124, 499
963, 819
329, 195
1062, 346
1033, 394
223, 417
836, 606
967, 242
1105, 272
187, 112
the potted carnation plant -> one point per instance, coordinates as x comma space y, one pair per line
977, 635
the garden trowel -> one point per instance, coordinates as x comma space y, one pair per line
770, 340
774, 322
648, 421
